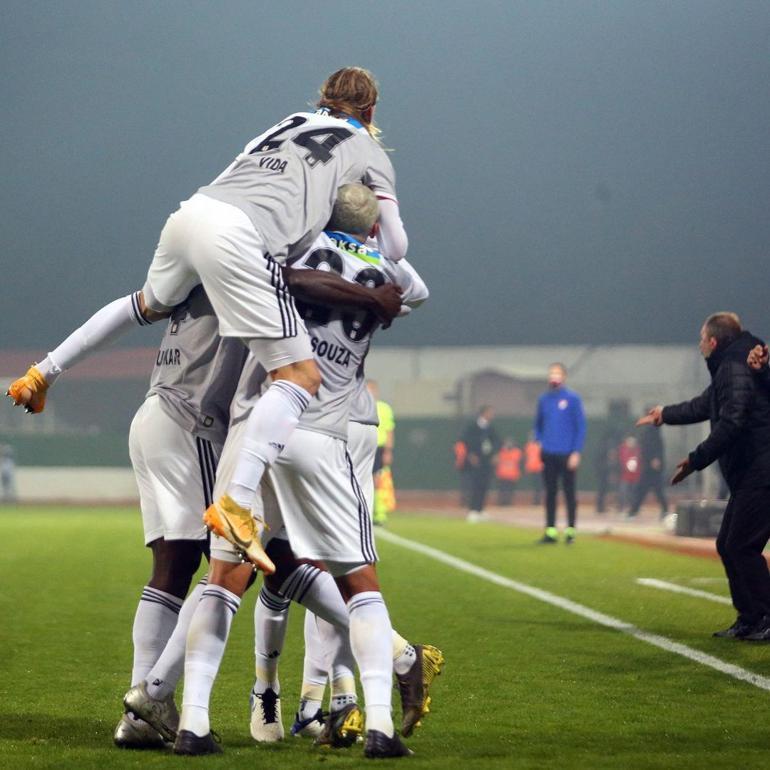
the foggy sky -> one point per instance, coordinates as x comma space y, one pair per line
568, 172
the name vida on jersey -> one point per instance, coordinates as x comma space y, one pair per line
273, 164
168, 357
337, 354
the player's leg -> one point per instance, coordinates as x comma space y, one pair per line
251, 301
271, 615
370, 639
206, 641
309, 720
165, 461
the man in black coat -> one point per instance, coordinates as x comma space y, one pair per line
739, 410
483, 443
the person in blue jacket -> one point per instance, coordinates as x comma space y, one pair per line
560, 428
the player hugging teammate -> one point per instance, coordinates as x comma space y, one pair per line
220, 272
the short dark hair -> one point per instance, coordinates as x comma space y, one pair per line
484, 408
724, 327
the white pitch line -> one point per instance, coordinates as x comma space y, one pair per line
677, 589
584, 612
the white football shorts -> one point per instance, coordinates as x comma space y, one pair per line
215, 244
175, 473
362, 446
310, 496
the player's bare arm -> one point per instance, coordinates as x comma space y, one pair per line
327, 288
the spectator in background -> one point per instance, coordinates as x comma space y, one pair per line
508, 471
482, 442
533, 467
606, 466
560, 428
653, 460
461, 465
384, 492
630, 462
7, 474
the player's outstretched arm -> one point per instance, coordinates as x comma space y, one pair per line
329, 289
98, 332
391, 238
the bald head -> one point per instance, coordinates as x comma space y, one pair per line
355, 210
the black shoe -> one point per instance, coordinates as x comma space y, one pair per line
760, 632
738, 630
547, 540
190, 744
379, 746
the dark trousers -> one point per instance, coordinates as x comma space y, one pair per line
465, 488
480, 476
602, 487
555, 467
742, 537
505, 490
651, 481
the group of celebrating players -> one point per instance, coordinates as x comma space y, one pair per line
273, 279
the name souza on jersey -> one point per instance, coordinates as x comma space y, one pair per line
337, 354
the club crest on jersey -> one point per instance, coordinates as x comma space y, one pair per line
563, 404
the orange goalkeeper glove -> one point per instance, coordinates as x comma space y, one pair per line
29, 391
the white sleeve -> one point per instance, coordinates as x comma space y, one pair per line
98, 332
392, 240
413, 289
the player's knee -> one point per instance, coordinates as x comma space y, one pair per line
285, 563
303, 373
235, 578
174, 564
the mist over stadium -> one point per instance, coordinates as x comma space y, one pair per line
582, 183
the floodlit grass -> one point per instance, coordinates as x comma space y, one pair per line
526, 684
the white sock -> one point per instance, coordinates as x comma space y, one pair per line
271, 616
371, 638
206, 642
314, 669
163, 677
156, 616
340, 663
404, 655
316, 590
270, 424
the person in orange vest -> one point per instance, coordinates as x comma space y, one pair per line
533, 467
508, 471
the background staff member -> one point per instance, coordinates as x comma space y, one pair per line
482, 442
560, 429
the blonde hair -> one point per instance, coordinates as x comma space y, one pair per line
355, 210
351, 91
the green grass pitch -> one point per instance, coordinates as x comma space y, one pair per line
526, 685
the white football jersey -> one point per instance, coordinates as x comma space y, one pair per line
286, 179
